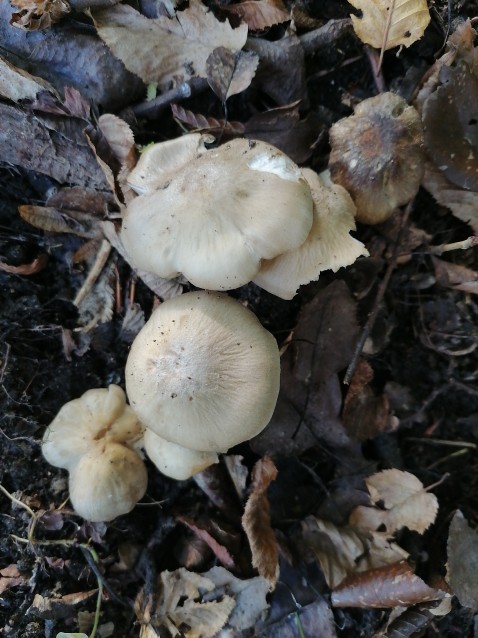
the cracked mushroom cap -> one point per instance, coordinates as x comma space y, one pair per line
174, 460
377, 155
203, 372
220, 215
93, 437
101, 413
329, 245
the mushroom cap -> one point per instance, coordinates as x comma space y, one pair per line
161, 161
377, 155
220, 215
107, 481
100, 413
203, 372
328, 246
176, 461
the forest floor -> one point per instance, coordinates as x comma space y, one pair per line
411, 405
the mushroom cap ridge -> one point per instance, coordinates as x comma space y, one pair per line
220, 215
203, 372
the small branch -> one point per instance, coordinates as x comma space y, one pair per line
379, 298
152, 109
95, 272
325, 36
457, 245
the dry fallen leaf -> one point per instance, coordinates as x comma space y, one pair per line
259, 14
390, 23
200, 123
230, 72
16, 84
163, 50
343, 550
11, 577
406, 503
39, 14
462, 572
454, 276
257, 525
384, 587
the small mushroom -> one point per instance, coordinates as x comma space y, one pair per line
328, 246
219, 215
174, 460
94, 438
377, 155
203, 372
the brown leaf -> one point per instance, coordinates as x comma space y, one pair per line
230, 72
450, 117
11, 577
462, 549
384, 587
406, 503
260, 14
16, 84
198, 122
26, 269
163, 50
221, 552
366, 415
342, 551
282, 127
257, 525
54, 220
310, 398
38, 14
454, 276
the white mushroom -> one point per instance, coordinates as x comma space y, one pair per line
329, 245
174, 460
220, 215
94, 438
203, 372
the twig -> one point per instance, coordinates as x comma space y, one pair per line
152, 109
379, 298
95, 272
470, 242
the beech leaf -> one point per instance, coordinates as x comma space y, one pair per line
406, 503
384, 587
260, 14
386, 24
230, 72
257, 525
163, 50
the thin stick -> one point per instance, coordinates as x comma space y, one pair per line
470, 242
95, 272
379, 298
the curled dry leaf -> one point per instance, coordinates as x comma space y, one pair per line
462, 574
259, 14
454, 276
390, 23
26, 269
55, 220
163, 50
384, 587
199, 122
377, 155
39, 14
257, 525
343, 550
406, 503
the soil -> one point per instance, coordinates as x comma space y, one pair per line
422, 350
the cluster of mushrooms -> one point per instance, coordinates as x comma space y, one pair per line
203, 374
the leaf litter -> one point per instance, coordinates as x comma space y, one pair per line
328, 535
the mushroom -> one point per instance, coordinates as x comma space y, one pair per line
219, 215
377, 155
174, 460
328, 246
203, 372
94, 438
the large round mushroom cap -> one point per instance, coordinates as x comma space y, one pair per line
203, 372
220, 215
